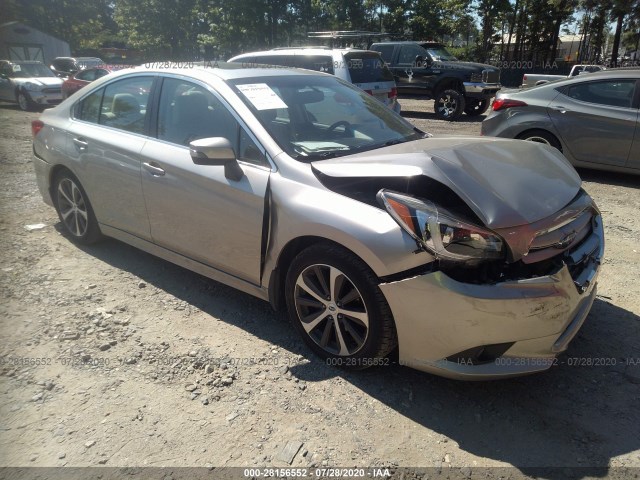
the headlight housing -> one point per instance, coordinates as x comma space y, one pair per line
441, 233
34, 87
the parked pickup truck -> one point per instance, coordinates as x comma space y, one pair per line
532, 79
428, 70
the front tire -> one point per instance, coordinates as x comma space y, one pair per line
24, 102
449, 105
334, 302
74, 210
475, 107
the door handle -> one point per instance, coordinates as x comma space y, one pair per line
154, 169
560, 108
81, 143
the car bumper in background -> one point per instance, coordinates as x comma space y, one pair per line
46, 97
478, 332
481, 90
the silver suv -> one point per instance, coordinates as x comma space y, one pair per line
30, 84
365, 69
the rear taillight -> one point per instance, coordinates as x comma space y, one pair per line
36, 126
370, 92
393, 93
504, 103
524, 79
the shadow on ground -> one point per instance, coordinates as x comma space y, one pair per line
610, 178
581, 413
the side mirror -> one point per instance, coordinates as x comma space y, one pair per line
216, 151
418, 61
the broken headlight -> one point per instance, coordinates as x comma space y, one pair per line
439, 232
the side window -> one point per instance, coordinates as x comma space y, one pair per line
6, 70
124, 105
88, 109
101, 73
408, 54
614, 93
248, 151
386, 51
189, 112
87, 75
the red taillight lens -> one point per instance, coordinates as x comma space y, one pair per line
504, 103
36, 126
393, 93
370, 92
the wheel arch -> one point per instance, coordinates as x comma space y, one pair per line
453, 83
291, 249
548, 131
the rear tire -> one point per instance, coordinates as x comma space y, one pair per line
475, 107
449, 105
74, 209
541, 136
335, 304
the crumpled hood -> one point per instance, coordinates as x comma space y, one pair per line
48, 81
507, 183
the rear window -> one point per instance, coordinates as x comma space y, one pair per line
319, 63
367, 67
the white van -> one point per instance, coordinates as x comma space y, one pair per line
365, 69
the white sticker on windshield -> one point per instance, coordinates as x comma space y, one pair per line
16, 68
261, 95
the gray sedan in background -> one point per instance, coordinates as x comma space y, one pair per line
591, 119
477, 258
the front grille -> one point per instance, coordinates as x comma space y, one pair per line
52, 90
491, 76
561, 237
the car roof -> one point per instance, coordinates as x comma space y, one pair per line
224, 70
301, 51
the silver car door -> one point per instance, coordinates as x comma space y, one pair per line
596, 120
195, 210
105, 138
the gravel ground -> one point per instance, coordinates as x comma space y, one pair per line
113, 357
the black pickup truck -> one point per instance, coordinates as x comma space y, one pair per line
428, 70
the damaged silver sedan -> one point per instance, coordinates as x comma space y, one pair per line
476, 258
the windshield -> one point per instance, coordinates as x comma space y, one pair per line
316, 117
30, 70
440, 54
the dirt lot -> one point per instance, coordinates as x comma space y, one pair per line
113, 357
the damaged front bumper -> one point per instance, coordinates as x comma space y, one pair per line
469, 331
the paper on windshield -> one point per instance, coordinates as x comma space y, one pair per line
262, 96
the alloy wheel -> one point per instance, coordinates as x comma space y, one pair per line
538, 139
72, 207
447, 105
23, 103
331, 310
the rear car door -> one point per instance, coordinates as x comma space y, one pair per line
597, 119
105, 137
194, 210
